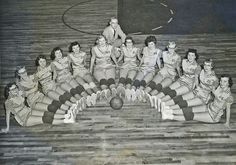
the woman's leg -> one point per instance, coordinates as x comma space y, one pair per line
122, 81
110, 75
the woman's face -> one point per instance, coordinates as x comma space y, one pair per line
151, 45
58, 54
224, 82
207, 66
191, 56
42, 62
129, 43
76, 48
22, 73
14, 91
102, 41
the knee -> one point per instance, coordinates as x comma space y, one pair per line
54, 106
80, 89
47, 117
136, 83
183, 104
63, 98
188, 114
103, 82
122, 80
172, 93
178, 99
73, 91
159, 87
128, 81
166, 90
143, 83
110, 81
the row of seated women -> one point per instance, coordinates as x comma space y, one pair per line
149, 74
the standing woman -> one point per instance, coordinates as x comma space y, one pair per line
44, 76
35, 99
128, 70
28, 116
168, 73
77, 59
151, 57
102, 66
202, 93
210, 113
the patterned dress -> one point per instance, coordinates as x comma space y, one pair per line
208, 82
217, 107
44, 77
190, 70
30, 89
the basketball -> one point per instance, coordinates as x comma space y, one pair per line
116, 103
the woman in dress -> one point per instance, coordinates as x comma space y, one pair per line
202, 93
150, 59
77, 59
102, 65
49, 88
211, 112
27, 116
128, 70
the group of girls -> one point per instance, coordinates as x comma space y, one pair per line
56, 92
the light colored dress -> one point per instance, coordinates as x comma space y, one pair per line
16, 105
208, 82
44, 77
77, 61
190, 70
30, 89
217, 107
150, 59
62, 68
130, 58
171, 63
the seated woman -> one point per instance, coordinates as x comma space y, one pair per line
61, 75
128, 70
77, 60
211, 112
35, 99
151, 56
187, 82
27, 116
202, 93
44, 76
167, 74
102, 66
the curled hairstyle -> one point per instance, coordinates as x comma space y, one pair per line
209, 60
52, 55
38, 58
7, 89
100, 37
17, 71
192, 51
129, 38
150, 39
230, 79
73, 44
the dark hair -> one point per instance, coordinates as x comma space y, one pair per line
52, 56
7, 89
150, 39
129, 38
192, 51
73, 44
230, 79
38, 58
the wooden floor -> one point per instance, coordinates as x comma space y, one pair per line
135, 135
